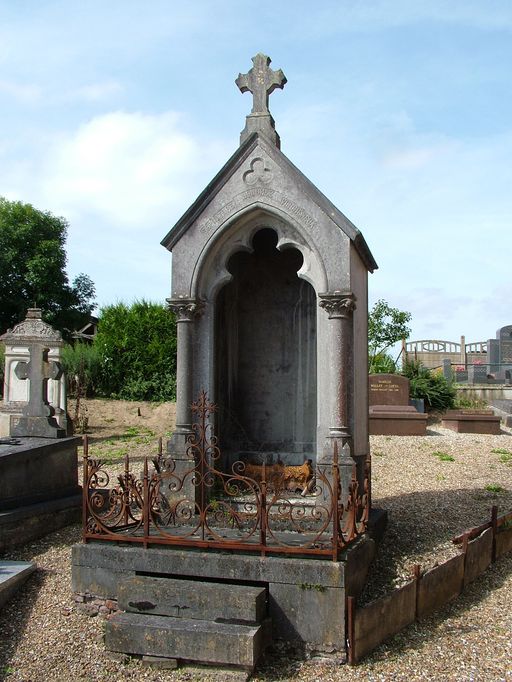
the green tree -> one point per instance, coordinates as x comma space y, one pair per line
386, 326
137, 348
33, 270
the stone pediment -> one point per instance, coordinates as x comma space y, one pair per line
33, 328
259, 172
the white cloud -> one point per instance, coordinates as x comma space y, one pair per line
128, 168
94, 92
24, 92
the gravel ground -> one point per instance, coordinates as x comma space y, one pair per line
430, 497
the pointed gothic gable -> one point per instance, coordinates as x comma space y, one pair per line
259, 173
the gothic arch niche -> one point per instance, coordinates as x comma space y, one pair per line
265, 355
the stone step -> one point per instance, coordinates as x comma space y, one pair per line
188, 640
12, 576
192, 600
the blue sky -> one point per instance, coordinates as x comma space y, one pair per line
115, 114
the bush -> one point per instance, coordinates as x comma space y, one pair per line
137, 349
81, 364
382, 363
436, 391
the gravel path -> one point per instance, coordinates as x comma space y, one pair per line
430, 497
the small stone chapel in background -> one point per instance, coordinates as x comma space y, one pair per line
269, 287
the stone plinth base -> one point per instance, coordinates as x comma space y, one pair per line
397, 420
38, 470
472, 421
39, 490
306, 597
24, 524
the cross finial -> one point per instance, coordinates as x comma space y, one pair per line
261, 80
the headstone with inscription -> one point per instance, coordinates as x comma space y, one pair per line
390, 411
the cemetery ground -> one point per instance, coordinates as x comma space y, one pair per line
434, 487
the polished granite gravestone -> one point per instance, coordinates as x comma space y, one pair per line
390, 411
472, 421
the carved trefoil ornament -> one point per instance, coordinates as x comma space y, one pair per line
258, 173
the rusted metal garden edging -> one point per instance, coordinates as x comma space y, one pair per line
369, 626
205, 507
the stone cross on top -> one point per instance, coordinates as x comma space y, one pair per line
261, 81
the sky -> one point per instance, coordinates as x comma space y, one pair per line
115, 114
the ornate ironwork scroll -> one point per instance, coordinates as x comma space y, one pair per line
195, 502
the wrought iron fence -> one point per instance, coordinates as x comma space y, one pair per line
194, 503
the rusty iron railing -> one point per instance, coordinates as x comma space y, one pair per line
194, 503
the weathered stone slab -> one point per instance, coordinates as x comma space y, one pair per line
439, 585
306, 596
12, 576
504, 542
192, 599
309, 613
223, 565
472, 421
191, 640
98, 580
36, 470
397, 420
478, 556
382, 619
21, 525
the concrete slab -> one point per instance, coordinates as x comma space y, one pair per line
191, 640
12, 576
192, 599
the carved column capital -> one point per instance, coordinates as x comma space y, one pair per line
185, 309
338, 305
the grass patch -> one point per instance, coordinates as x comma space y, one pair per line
378, 453
112, 456
505, 455
443, 456
495, 488
501, 451
138, 434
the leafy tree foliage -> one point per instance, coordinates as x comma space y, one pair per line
386, 326
33, 270
137, 348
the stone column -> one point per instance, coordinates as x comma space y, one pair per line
339, 307
186, 311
